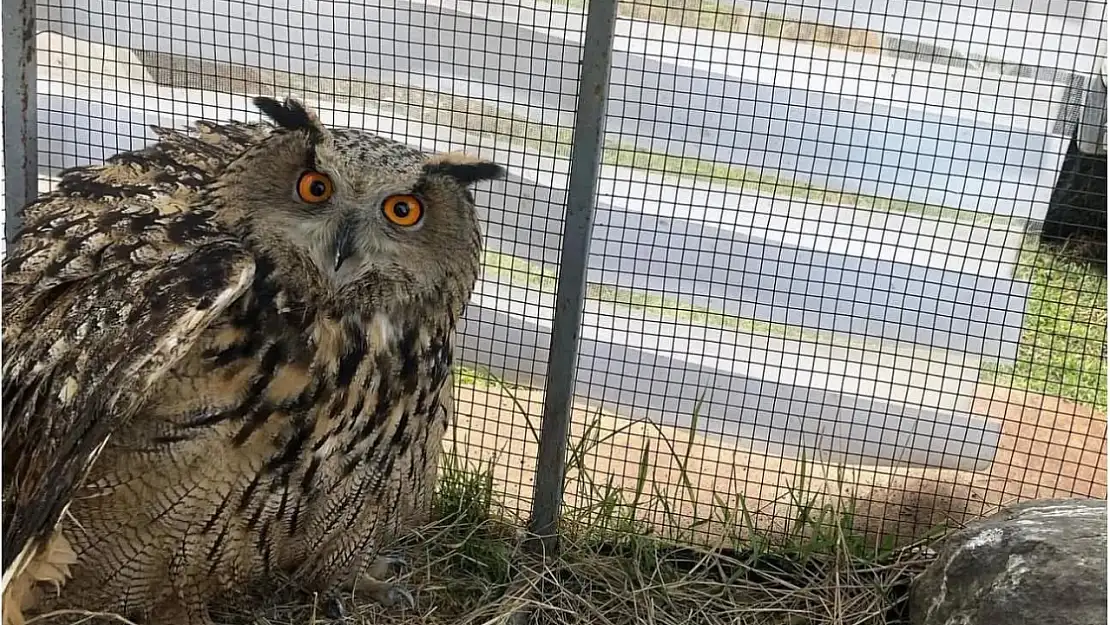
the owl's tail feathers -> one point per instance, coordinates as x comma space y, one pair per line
37, 565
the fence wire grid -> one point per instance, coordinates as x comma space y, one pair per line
834, 252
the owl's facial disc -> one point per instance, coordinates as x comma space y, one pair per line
366, 212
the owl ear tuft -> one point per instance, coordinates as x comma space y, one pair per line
464, 168
291, 115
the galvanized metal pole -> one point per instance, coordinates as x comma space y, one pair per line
20, 119
562, 364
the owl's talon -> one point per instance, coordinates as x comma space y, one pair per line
398, 593
334, 609
388, 594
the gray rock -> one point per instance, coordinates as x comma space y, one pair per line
1041, 562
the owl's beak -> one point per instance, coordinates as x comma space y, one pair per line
344, 243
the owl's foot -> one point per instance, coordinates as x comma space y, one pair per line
371, 585
389, 594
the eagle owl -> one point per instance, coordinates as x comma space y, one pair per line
228, 355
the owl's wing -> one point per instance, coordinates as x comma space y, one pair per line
110, 283
179, 162
88, 363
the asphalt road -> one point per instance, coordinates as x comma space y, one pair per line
503, 331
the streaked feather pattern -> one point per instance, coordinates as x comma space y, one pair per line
192, 401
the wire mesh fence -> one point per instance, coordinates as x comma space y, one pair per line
821, 254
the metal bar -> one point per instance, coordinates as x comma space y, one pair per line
1091, 134
20, 120
570, 295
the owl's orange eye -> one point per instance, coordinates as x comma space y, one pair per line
314, 187
403, 210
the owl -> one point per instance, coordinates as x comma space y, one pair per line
227, 355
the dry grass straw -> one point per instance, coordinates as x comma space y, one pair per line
475, 565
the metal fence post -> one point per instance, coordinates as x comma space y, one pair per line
585, 160
20, 121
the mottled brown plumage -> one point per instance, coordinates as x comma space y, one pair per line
228, 355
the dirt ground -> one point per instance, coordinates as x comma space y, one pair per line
1050, 449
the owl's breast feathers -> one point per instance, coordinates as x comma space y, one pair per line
329, 390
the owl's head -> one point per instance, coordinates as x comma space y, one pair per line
360, 217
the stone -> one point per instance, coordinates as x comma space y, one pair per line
1040, 562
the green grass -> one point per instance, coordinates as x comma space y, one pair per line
474, 376
733, 18
820, 518
820, 513
821, 523
1064, 333
730, 17
678, 167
